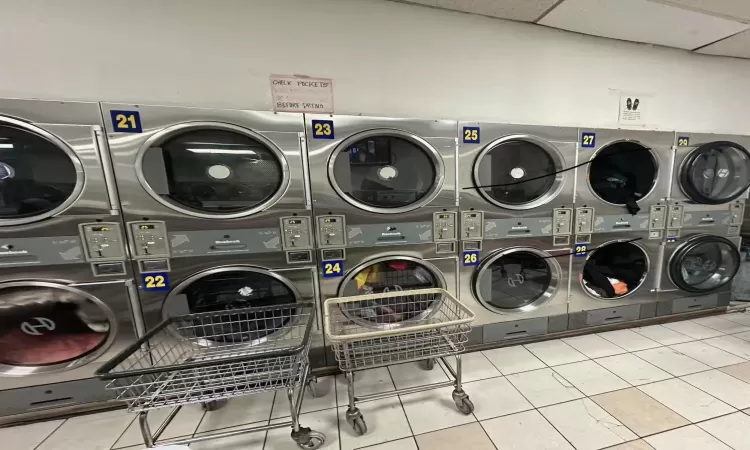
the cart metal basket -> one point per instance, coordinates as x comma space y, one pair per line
388, 330
209, 357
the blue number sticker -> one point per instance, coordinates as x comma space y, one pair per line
671, 239
155, 281
470, 258
332, 269
471, 135
588, 140
322, 129
581, 250
126, 121
683, 141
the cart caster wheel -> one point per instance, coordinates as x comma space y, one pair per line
213, 405
355, 420
314, 440
465, 406
429, 364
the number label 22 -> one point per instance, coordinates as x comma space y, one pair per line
155, 281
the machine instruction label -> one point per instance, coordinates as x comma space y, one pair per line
298, 93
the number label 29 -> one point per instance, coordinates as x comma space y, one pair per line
155, 281
683, 141
470, 258
322, 129
332, 269
471, 135
126, 121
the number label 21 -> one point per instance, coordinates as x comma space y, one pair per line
126, 121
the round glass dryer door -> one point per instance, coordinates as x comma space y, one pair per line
46, 327
704, 263
623, 173
213, 170
518, 279
386, 171
519, 173
391, 274
40, 176
615, 270
228, 288
717, 172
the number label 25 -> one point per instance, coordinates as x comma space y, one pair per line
155, 281
126, 121
471, 135
332, 269
470, 258
322, 129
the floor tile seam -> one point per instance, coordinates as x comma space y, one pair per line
658, 402
712, 396
54, 431
504, 374
727, 351
335, 408
519, 393
561, 341
681, 334
705, 364
691, 424
400, 402
385, 442
594, 334
614, 374
665, 370
629, 351
553, 425
722, 331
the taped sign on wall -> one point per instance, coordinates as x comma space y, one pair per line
298, 93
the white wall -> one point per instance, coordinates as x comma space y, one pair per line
385, 58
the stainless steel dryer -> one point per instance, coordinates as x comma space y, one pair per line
65, 289
614, 279
516, 287
697, 272
623, 180
380, 181
516, 181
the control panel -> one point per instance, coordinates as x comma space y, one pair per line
295, 232
657, 217
674, 219
444, 226
103, 241
149, 239
331, 231
737, 211
563, 220
471, 225
584, 220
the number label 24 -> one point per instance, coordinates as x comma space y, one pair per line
332, 269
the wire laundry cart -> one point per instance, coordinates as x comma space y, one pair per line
213, 356
376, 330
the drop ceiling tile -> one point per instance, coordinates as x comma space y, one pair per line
522, 10
641, 21
737, 46
737, 9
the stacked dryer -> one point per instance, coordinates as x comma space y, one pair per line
621, 191
701, 251
516, 208
217, 212
384, 200
65, 288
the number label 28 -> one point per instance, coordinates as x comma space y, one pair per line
126, 121
581, 250
332, 269
322, 129
155, 281
471, 135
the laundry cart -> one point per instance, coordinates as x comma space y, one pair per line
195, 358
376, 330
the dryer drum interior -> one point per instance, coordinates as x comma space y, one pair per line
39, 175
228, 289
704, 264
518, 173
214, 170
48, 326
386, 171
615, 270
519, 279
717, 172
391, 274
623, 173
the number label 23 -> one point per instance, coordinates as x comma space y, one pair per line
322, 129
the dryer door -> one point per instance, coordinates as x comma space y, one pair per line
40, 176
212, 170
386, 171
623, 173
615, 270
227, 288
704, 263
516, 280
46, 327
391, 274
519, 172
717, 172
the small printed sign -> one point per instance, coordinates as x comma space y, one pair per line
470, 258
633, 109
126, 121
471, 135
155, 281
683, 141
322, 129
588, 140
581, 250
298, 93
332, 269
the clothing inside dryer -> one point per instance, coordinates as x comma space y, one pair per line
384, 172
213, 171
393, 275
236, 289
615, 270
43, 326
513, 280
36, 176
516, 172
716, 173
704, 267
623, 173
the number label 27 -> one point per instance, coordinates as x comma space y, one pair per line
155, 281
126, 121
588, 140
332, 269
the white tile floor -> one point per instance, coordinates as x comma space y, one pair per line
682, 386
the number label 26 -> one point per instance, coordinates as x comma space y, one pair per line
126, 121
470, 258
155, 281
332, 269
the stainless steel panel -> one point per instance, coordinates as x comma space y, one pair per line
613, 315
517, 329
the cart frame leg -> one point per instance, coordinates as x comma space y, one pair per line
458, 374
350, 389
145, 429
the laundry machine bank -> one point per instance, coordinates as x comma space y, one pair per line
65, 289
516, 181
217, 209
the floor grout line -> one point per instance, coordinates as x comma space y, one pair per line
53, 432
